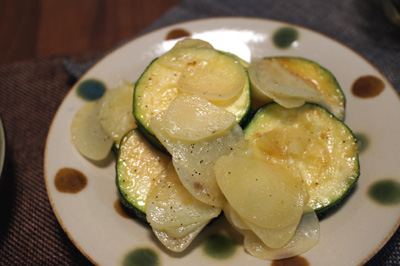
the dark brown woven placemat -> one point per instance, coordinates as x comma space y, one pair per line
30, 94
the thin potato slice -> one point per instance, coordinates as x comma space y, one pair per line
322, 80
273, 238
182, 231
272, 81
213, 78
177, 59
116, 111
288, 102
88, 135
234, 219
305, 237
205, 71
192, 43
194, 161
271, 196
177, 244
170, 205
193, 118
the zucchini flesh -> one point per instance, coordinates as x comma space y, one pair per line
139, 167
158, 86
322, 147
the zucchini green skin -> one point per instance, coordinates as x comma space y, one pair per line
139, 167
131, 208
140, 85
270, 112
321, 78
145, 131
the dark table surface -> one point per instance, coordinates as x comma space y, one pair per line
37, 36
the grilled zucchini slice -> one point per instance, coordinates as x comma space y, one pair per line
139, 168
191, 68
309, 137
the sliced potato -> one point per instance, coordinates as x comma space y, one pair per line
88, 135
175, 216
192, 43
170, 205
116, 111
205, 71
178, 244
273, 238
271, 80
271, 196
213, 78
288, 102
182, 231
178, 58
234, 219
305, 74
194, 161
322, 80
193, 118
305, 237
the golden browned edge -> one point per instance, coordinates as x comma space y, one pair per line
182, 25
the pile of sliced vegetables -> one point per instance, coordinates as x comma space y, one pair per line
195, 155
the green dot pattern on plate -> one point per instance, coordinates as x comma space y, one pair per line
362, 142
219, 246
141, 257
385, 192
284, 37
91, 89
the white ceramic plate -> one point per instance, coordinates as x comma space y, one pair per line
350, 236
